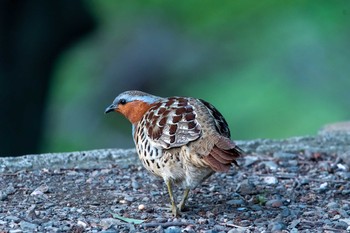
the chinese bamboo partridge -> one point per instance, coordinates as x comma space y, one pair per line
181, 139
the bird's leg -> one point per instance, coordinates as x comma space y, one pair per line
181, 206
174, 208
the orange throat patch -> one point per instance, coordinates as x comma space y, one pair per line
134, 111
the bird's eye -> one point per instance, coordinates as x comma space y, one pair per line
122, 101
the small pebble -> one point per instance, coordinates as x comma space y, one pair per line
342, 167
3, 196
238, 230
135, 184
141, 207
13, 218
343, 213
341, 225
276, 226
202, 220
256, 207
332, 205
16, 231
344, 175
172, 229
95, 173
210, 231
82, 224
270, 180
304, 181
294, 223
345, 192
123, 201
345, 157
72, 173
10, 189
292, 169
270, 165
218, 227
275, 203
249, 160
27, 226
109, 231
105, 171
246, 187
189, 229
144, 216
235, 203
129, 198
108, 222
261, 222
346, 220
284, 156
285, 212
324, 186
47, 224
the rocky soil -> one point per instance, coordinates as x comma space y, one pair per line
293, 185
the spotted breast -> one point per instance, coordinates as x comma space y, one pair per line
169, 123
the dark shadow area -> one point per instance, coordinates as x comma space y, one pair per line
32, 35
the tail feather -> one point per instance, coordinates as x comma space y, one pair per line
216, 165
225, 143
224, 153
220, 156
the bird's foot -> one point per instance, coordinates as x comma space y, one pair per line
175, 210
181, 206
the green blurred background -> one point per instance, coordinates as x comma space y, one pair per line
274, 69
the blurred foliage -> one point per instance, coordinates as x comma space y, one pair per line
273, 68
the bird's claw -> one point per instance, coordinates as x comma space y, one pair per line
175, 211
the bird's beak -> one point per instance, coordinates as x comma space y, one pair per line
111, 108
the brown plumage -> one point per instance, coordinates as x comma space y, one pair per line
181, 139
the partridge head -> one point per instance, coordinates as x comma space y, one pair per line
180, 139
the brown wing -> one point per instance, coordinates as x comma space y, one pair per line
224, 152
220, 122
172, 123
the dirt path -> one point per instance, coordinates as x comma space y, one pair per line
293, 185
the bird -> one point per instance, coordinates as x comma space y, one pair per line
183, 140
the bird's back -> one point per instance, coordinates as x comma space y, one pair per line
184, 139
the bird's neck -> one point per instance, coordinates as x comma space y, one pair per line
135, 110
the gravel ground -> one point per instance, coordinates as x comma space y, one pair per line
293, 185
